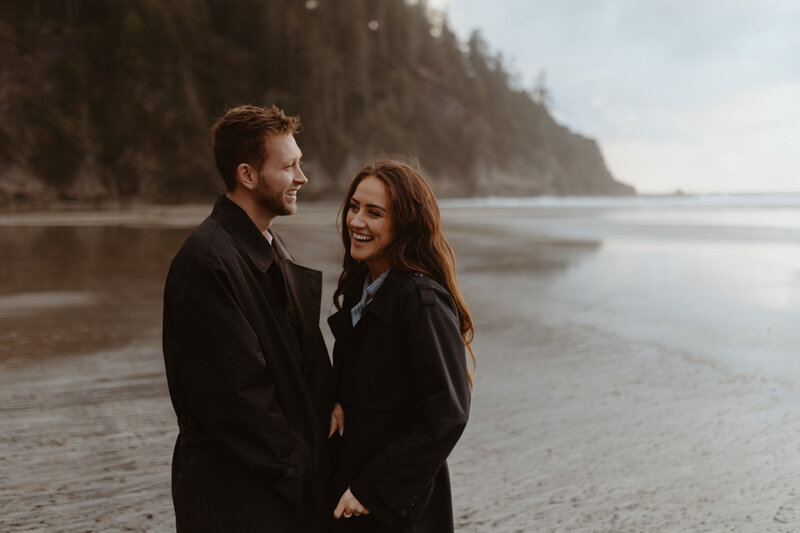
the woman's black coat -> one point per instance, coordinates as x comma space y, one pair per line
250, 381
401, 376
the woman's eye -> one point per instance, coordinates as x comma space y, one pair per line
374, 213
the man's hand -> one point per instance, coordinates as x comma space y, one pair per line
349, 506
337, 420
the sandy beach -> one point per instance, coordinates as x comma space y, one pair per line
637, 366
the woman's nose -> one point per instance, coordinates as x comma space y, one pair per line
356, 221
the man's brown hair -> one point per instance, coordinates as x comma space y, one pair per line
239, 137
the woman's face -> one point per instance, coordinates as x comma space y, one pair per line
370, 224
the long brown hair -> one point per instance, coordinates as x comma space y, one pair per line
419, 244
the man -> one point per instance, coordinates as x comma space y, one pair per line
247, 368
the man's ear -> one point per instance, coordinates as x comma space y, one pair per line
246, 176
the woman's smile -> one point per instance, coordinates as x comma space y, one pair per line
360, 238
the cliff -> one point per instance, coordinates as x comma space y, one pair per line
112, 102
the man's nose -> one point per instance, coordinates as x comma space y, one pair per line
300, 176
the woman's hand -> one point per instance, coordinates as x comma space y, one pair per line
337, 420
349, 506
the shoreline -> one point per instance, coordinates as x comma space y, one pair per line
74, 209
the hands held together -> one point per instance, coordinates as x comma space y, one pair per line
337, 420
348, 504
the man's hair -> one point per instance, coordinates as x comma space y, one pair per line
239, 137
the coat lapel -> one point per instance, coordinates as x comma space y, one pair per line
303, 284
385, 301
305, 291
382, 306
244, 231
341, 323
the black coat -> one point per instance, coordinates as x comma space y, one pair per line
401, 376
250, 380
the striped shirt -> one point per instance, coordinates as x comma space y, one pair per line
370, 289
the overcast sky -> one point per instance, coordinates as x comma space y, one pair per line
697, 95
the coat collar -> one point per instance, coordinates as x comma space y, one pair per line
280, 248
384, 303
382, 306
234, 219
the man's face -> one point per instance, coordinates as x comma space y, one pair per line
280, 177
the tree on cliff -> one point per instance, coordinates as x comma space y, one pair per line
113, 100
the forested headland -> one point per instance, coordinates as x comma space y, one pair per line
106, 101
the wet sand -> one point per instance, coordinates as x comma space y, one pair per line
633, 374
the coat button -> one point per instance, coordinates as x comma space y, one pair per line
291, 471
409, 508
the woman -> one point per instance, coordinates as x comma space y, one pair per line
403, 386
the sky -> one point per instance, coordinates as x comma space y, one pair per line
701, 96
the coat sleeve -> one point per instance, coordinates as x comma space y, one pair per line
391, 483
229, 390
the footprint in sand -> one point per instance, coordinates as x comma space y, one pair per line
789, 511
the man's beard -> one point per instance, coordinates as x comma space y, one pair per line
272, 199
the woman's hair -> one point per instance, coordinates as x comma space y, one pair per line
418, 244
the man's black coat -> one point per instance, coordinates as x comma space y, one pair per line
250, 380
